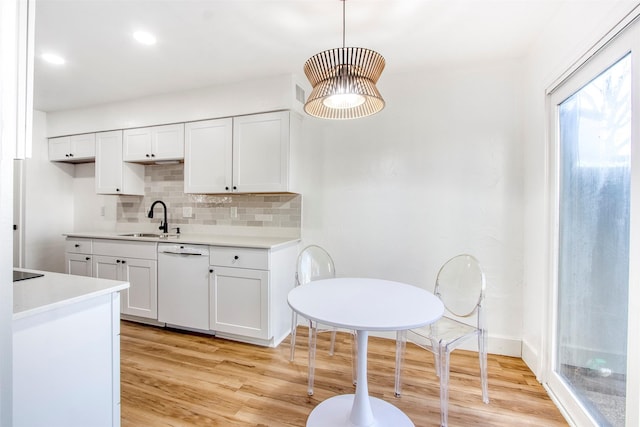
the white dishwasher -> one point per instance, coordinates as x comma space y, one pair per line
183, 285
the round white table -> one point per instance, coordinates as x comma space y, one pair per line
363, 305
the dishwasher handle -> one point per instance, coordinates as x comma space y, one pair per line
180, 253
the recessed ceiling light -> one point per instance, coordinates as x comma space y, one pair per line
52, 58
144, 37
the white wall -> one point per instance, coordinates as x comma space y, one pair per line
49, 203
87, 209
435, 174
266, 94
557, 49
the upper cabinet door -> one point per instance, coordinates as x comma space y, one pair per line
73, 149
113, 176
156, 143
261, 152
83, 147
109, 162
137, 145
167, 142
59, 148
208, 151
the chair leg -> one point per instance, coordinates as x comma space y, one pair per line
436, 356
354, 358
482, 354
313, 332
294, 324
444, 385
333, 342
401, 344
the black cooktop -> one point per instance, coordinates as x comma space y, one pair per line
23, 275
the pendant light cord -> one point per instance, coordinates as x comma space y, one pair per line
344, 2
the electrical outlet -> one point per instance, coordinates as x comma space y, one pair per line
187, 212
234, 212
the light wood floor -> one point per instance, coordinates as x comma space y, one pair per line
179, 379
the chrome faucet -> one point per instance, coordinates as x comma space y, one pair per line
163, 224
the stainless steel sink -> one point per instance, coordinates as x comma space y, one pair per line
150, 235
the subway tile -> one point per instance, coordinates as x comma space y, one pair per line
165, 182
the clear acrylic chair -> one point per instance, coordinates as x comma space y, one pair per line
314, 263
460, 285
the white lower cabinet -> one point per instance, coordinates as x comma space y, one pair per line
248, 293
239, 302
78, 257
117, 263
247, 288
79, 264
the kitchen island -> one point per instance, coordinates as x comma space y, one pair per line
66, 350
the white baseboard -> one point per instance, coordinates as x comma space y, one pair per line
530, 357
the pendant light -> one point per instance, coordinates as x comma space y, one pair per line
344, 81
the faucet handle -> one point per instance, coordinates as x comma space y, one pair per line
177, 229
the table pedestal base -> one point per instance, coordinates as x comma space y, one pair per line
335, 412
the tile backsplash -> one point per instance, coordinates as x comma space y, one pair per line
166, 183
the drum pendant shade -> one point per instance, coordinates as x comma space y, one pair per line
344, 82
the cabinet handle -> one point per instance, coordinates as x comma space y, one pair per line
77, 245
211, 270
118, 261
124, 262
66, 155
87, 258
153, 155
235, 188
117, 189
70, 154
146, 155
236, 257
226, 188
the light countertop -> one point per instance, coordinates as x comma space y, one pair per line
54, 290
259, 242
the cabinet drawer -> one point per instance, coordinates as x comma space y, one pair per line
78, 245
257, 259
125, 249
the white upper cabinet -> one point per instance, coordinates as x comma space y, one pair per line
261, 153
155, 143
113, 176
247, 154
208, 150
73, 149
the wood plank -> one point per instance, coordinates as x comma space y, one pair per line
173, 378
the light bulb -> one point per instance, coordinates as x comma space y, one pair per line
52, 58
344, 100
144, 37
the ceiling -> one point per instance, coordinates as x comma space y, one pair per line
203, 43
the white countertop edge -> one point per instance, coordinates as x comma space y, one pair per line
42, 294
259, 242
